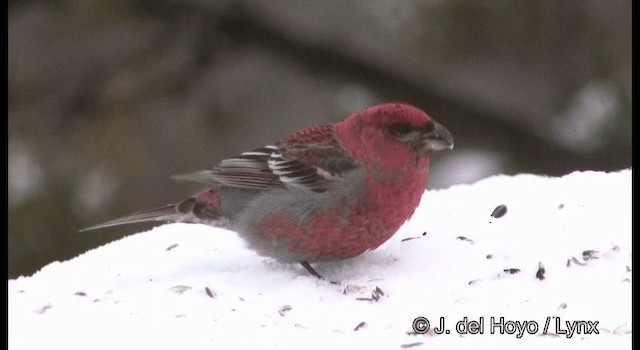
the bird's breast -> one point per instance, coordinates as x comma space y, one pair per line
339, 224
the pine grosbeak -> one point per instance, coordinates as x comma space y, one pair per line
322, 193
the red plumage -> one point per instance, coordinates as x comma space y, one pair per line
322, 193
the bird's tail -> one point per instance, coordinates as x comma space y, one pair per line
201, 208
167, 213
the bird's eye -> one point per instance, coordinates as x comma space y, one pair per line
401, 129
430, 127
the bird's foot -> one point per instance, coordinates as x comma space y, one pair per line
314, 272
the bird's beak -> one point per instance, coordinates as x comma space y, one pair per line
439, 138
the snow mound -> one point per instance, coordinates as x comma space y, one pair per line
556, 265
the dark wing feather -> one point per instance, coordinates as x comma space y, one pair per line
248, 170
312, 162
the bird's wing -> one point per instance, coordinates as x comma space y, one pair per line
311, 158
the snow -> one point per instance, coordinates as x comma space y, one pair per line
197, 287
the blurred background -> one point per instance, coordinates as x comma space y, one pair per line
107, 99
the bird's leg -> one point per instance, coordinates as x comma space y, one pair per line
314, 272
311, 270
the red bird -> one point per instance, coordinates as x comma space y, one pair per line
322, 193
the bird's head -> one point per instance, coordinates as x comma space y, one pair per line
391, 137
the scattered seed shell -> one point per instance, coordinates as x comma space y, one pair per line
43, 309
171, 246
360, 325
554, 335
590, 254
541, 271
613, 250
210, 292
499, 211
284, 309
352, 288
511, 270
465, 239
179, 289
622, 329
575, 261
375, 295
410, 345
